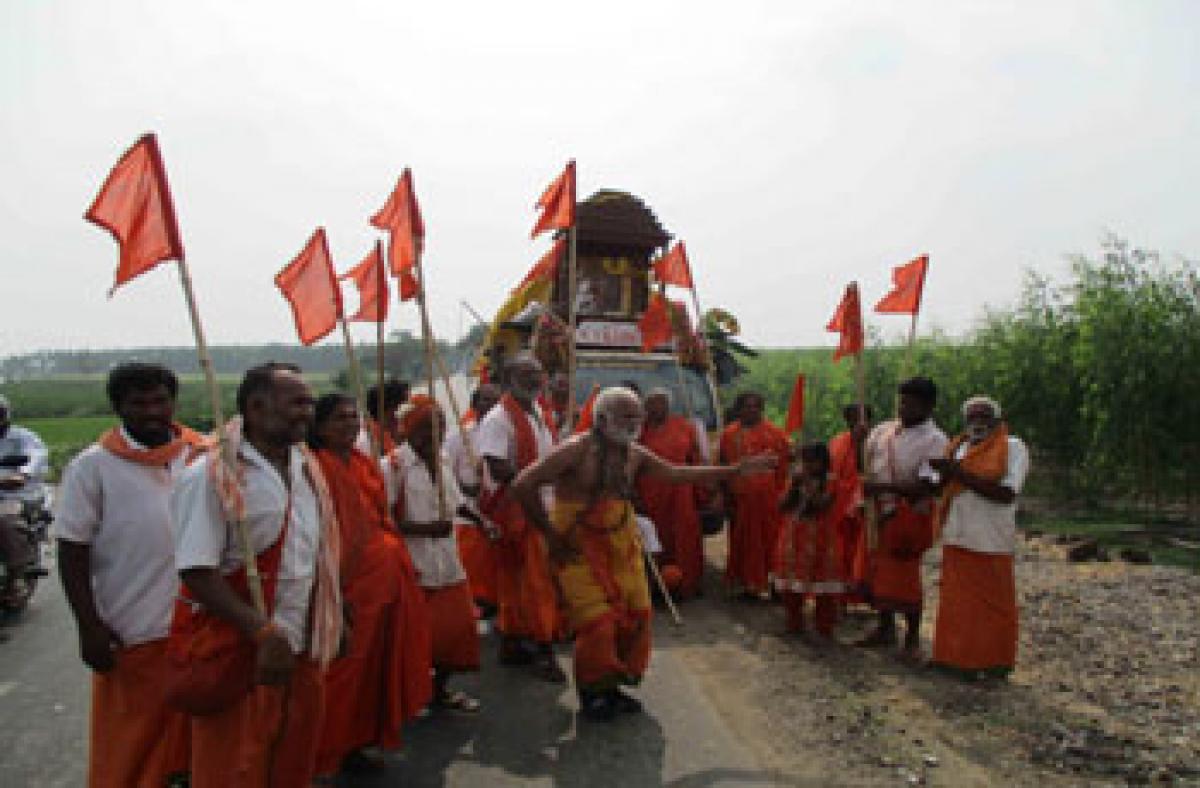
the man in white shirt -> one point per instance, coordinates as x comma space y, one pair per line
426, 523
271, 733
900, 485
512, 437
116, 557
981, 475
476, 544
21, 483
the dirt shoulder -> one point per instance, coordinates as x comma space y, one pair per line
1106, 689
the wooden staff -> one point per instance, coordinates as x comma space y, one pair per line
472, 456
356, 381
572, 287
427, 334
249, 557
662, 587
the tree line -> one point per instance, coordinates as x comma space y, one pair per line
1100, 374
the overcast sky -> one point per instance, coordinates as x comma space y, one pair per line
794, 146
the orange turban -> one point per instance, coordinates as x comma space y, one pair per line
415, 412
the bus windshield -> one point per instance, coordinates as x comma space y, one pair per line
692, 398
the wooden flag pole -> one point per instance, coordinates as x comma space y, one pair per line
572, 287
704, 343
662, 587
356, 380
249, 557
427, 332
472, 456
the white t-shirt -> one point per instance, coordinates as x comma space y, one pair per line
435, 558
975, 523
466, 473
900, 455
203, 538
121, 510
497, 437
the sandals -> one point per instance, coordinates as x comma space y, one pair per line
458, 701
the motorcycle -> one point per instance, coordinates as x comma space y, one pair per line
32, 519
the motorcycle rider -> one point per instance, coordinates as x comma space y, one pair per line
19, 486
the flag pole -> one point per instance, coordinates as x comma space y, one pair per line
427, 333
708, 373
249, 558
356, 380
380, 444
472, 456
572, 286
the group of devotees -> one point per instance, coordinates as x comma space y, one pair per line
380, 542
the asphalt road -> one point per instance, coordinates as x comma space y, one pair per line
528, 733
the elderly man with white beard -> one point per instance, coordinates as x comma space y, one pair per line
595, 550
981, 475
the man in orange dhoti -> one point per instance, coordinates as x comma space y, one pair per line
513, 436
476, 543
900, 485
752, 502
117, 560
981, 476
270, 734
425, 515
383, 678
595, 547
845, 450
809, 561
672, 507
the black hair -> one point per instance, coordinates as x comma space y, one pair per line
395, 392
259, 380
850, 412
632, 386
478, 393
815, 452
923, 389
138, 376
322, 411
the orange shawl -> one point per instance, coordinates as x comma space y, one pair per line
184, 439
987, 459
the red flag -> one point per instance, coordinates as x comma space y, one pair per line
908, 282
795, 414
673, 267
655, 323
545, 268
848, 322
401, 218
371, 282
587, 414
310, 286
409, 286
134, 204
557, 203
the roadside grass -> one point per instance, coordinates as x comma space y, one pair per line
1168, 544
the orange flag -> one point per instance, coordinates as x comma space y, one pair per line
371, 282
134, 204
655, 323
547, 266
587, 415
673, 267
557, 203
848, 322
409, 286
795, 414
908, 282
310, 286
401, 218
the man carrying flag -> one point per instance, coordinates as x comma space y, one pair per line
270, 734
513, 436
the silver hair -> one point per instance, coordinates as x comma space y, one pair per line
982, 400
610, 397
661, 391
